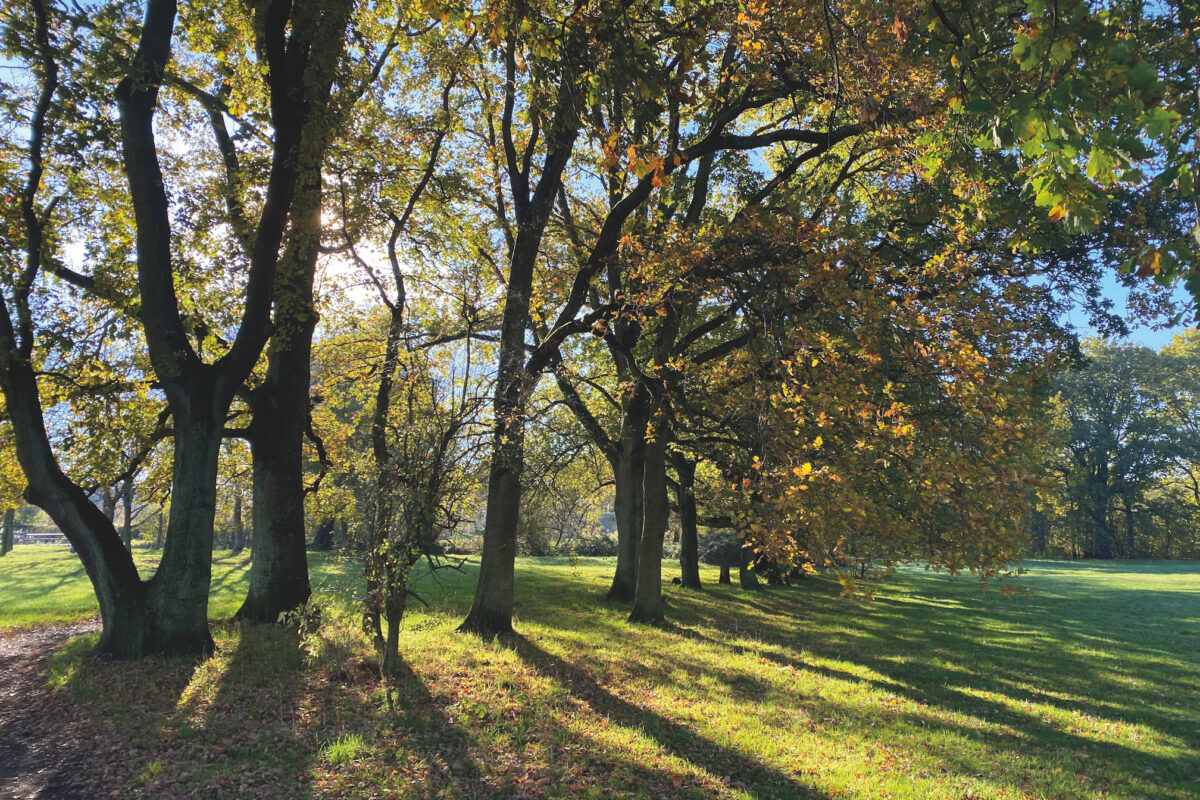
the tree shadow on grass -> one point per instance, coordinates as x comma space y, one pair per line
991, 662
760, 779
222, 727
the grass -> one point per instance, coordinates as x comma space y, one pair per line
1083, 684
46, 584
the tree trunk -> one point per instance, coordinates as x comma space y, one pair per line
1097, 497
492, 607
127, 512
158, 543
648, 600
746, 575
725, 578
280, 407
390, 660
108, 503
119, 590
1130, 532
6, 538
491, 610
177, 602
278, 562
628, 475
238, 542
323, 537
689, 545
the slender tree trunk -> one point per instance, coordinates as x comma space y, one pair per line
689, 545
648, 600
108, 503
239, 531
1130, 533
492, 607
628, 474
127, 512
746, 575
6, 538
390, 661
158, 543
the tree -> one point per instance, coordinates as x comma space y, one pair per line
299, 48
720, 74
1124, 452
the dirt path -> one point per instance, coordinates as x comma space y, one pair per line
46, 748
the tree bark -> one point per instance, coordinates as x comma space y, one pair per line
725, 578
238, 542
280, 405
689, 545
177, 602
629, 469
747, 578
279, 564
648, 600
1130, 531
127, 515
492, 607
6, 538
108, 565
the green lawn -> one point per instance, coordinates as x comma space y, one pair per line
1085, 683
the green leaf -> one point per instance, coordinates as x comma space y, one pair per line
1158, 122
1142, 75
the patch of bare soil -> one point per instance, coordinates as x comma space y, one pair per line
47, 748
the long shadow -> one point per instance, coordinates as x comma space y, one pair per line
247, 730
424, 732
1011, 668
760, 779
439, 755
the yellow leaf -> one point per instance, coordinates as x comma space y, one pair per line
1057, 213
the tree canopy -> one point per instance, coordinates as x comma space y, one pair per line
792, 269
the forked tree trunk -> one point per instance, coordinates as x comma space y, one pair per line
648, 600
689, 544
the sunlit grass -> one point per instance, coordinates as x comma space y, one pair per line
1084, 684
46, 584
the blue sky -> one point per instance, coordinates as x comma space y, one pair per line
1138, 334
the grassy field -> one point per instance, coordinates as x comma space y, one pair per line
1085, 683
